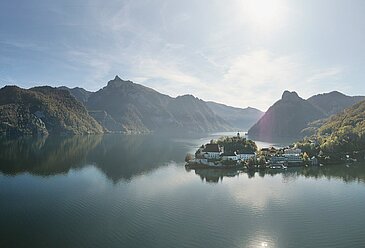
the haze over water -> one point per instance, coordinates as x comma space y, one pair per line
134, 191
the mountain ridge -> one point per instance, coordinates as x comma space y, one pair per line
148, 110
127, 107
41, 111
285, 118
334, 102
293, 117
240, 118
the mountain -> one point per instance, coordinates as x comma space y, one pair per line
285, 119
80, 94
239, 118
194, 114
344, 131
334, 102
41, 111
123, 106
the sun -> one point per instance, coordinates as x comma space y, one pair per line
264, 14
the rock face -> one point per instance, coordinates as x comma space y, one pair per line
42, 111
241, 119
123, 106
285, 119
334, 102
17, 121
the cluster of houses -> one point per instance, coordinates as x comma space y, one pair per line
209, 154
213, 154
288, 156
285, 156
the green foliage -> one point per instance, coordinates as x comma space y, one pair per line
43, 110
237, 144
229, 162
251, 163
261, 160
311, 147
344, 132
339, 135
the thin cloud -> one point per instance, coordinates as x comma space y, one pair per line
209, 52
333, 72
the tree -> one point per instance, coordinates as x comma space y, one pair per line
237, 144
251, 162
188, 157
305, 157
261, 160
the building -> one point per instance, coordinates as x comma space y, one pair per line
292, 155
294, 160
212, 151
271, 151
229, 156
245, 156
278, 160
292, 151
265, 151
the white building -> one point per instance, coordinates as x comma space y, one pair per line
229, 156
292, 152
245, 156
212, 151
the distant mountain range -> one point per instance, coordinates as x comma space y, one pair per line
121, 106
334, 102
293, 117
126, 107
241, 119
285, 119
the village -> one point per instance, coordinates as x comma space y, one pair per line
239, 152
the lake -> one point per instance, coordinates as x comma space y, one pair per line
134, 191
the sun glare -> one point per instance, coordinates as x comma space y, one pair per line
264, 14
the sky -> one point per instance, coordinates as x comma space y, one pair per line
237, 52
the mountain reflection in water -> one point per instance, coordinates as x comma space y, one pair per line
117, 156
125, 156
134, 191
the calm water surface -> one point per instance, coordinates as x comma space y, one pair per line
134, 191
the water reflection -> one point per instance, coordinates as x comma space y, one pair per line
126, 156
353, 173
122, 157
117, 156
215, 175
167, 206
45, 156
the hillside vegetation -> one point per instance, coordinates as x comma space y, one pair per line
345, 131
42, 111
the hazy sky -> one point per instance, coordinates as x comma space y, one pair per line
242, 53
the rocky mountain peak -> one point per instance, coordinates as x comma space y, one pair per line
117, 81
290, 96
